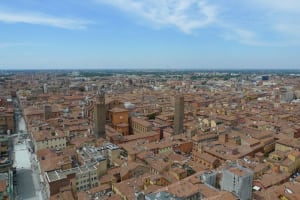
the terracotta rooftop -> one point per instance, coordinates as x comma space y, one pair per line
270, 179
65, 195
237, 171
48, 134
141, 121
116, 109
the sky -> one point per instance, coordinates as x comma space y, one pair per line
162, 34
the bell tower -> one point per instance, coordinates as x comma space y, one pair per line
179, 114
99, 114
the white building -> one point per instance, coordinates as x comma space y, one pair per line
238, 180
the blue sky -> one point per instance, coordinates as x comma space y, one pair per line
204, 34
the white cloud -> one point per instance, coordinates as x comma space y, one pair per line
186, 15
289, 28
242, 36
261, 22
282, 17
248, 37
42, 19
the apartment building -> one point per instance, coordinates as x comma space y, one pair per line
139, 125
238, 180
7, 124
79, 179
53, 139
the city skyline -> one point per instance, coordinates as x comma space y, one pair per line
146, 134
149, 34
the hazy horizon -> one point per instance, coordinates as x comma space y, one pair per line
144, 69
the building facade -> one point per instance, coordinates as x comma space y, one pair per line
238, 180
49, 140
119, 120
139, 125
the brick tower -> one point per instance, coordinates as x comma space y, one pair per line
179, 114
100, 114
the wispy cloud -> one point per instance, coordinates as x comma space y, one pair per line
292, 29
275, 17
281, 19
187, 15
42, 19
240, 35
244, 36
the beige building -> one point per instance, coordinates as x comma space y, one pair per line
113, 153
139, 125
49, 139
6, 120
86, 178
80, 178
292, 163
105, 155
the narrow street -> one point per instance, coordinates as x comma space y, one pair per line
28, 185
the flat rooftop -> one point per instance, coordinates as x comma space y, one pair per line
62, 174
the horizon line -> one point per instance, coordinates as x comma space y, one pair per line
148, 68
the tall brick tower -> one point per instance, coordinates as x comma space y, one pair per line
179, 114
99, 114
47, 111
276, 97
